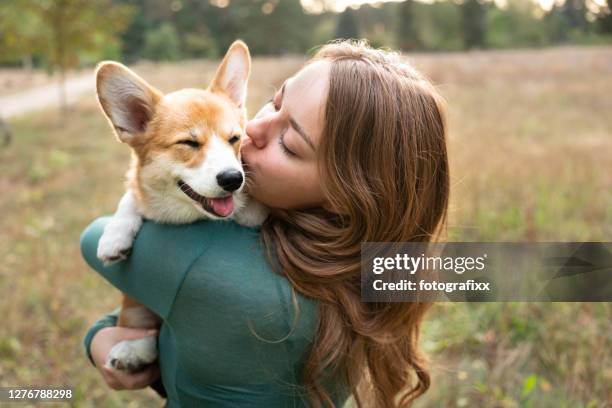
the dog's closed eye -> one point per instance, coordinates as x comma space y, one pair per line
190, 143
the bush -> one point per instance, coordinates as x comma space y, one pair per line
162, 43
200, 46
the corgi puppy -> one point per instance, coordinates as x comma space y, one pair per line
185, 167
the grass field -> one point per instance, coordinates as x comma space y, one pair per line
531, 154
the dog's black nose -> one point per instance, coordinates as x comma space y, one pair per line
230, 180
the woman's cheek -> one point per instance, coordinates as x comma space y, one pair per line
262, 166
273, 161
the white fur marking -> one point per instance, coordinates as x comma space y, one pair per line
120, 232
131, 355
196, 132
220, 156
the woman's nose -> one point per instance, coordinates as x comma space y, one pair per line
256, 130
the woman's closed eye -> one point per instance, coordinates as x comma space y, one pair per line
284, 148
281, 139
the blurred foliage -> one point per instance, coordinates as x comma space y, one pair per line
64, 33
61, 33
474, 24
347, 25
162, 44
516, 26
408, 36
604, 19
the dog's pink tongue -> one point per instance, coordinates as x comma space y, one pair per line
222, 206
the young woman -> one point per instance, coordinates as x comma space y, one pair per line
351, 149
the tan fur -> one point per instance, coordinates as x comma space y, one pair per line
134, 314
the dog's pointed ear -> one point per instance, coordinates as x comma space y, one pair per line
126, 99
233, 74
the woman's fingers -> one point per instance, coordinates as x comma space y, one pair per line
142, 379
113, 383
101, 345
111, 379
119, 380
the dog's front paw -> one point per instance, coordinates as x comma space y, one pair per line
116, 242
114, 247
132, 355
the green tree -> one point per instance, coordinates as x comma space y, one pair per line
408, 36
194, 21
515, 26
377, 24
133, 37
574, 12
347, 27
19, 33
567, 21
162, 43
474, 24
71, 28
288, 28
605, 19
441, 25
200, 45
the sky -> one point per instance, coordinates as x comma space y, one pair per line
340, 5
337, 5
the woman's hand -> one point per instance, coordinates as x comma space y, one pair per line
104, 341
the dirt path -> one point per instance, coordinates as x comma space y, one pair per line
45, 96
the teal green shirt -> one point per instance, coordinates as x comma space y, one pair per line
211, 284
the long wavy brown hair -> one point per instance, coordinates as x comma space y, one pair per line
383, 162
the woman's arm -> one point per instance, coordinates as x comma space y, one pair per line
103, 336
109, 320
103, 341
154, 271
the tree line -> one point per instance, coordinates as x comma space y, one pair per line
61, 34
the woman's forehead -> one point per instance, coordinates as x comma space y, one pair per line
314, 75
306, 94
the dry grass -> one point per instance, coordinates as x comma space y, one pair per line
531, 153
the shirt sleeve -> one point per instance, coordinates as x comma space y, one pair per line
109, 320
154, 271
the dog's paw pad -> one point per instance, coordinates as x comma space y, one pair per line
113, 259
127, 366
